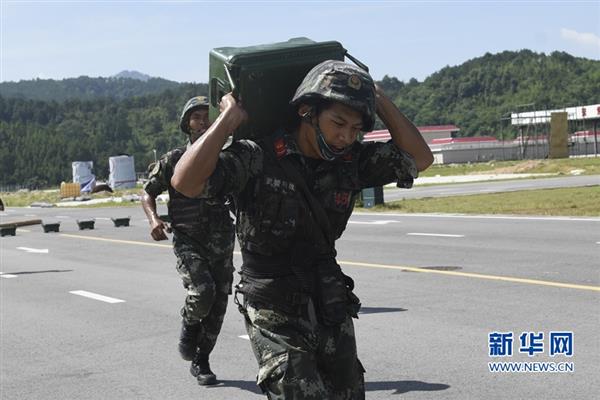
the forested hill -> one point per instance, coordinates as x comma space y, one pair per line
40, 138
85, 88
475, 95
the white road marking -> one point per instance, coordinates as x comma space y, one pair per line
96, 296
383, 222
102, 218
3, 275
480, 216
433, 234
30, 250
597, 242
30, 215
62, 217
246, 337
23, 230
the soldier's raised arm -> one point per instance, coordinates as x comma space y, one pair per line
404, 133
198, 163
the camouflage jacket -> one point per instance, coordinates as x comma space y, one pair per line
198, 217
272, 214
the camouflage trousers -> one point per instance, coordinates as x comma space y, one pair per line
301, 359
207, 281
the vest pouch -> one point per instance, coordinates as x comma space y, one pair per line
278, 208
269, 211
332, 294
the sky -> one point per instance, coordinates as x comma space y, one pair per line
172, 39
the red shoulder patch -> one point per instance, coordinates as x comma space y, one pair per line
280, 147
342, 199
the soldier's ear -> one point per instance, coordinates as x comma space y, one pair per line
304, 109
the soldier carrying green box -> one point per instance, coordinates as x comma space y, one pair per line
294, 191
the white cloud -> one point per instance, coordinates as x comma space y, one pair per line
587, 39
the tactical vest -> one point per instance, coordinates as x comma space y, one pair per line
194, 215
274, 218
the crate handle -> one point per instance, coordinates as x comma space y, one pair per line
356, 61
234, 89
218, 89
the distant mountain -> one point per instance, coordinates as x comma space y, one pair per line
86, 88
133, 75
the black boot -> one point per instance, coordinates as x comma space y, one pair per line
200, 368
188, 340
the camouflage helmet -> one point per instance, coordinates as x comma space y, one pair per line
190, 106
345, 83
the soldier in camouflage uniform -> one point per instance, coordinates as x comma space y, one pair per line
294, 193
203, 240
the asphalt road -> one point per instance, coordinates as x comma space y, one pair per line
432, 287
461, 189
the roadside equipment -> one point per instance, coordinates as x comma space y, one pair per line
121, 221
53, 227
85, 224
8, 230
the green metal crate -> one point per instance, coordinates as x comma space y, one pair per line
265, 78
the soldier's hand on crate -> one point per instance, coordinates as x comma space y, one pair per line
233, 108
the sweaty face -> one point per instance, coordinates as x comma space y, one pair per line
199, 122
340, 125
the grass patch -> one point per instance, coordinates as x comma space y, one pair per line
581, 201
588, 165
25, 198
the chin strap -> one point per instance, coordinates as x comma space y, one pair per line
192, 133
327, 152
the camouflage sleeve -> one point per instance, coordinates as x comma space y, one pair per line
159, 177
383, 163
237, 164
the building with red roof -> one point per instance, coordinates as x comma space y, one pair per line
430, 133
447, 148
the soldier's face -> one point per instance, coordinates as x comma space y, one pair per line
340, 125
199, 123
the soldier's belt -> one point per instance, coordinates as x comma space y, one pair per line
260, 266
